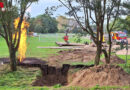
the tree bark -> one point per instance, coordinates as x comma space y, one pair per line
13, 64
98, 53
106, 56
99, 44
110, 46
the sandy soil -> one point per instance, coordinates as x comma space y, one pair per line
106, 75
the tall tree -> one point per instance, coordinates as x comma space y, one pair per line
43, 24
122, 24
94, 12
121, 8
13, 10
62, 23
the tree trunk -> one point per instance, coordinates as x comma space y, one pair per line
106, 56
97, 58
109, 55
110, 45
13, 64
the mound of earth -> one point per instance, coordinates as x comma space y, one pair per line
106, 75
115, 60
69, 56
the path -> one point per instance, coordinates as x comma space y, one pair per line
123, 52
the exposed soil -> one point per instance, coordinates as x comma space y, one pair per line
129, 41
115, 60
123, 52
106, 75
31, 60
52, 75
69, 56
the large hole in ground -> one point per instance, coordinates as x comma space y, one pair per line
50, 75
53, 75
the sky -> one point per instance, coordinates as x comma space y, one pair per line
39, 8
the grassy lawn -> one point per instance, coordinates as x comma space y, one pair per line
124, 58
3, 48
126, 67
23, 78
46, 40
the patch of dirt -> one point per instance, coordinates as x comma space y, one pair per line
106, 75
115, 60
123, 52
129, 41
31, 60
69, 56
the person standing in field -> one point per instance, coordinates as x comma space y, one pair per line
66, 37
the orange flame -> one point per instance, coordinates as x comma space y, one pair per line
22, 45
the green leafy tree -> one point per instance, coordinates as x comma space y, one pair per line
122, 24
32, 24
94, 12
13, 10
43, 24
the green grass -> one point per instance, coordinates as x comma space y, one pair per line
20, 80
125, 66
124, 58
3, 48
33, 51
128, 35
97, 87
23, 77
67, 88
25, 88
83, 63
46, 40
